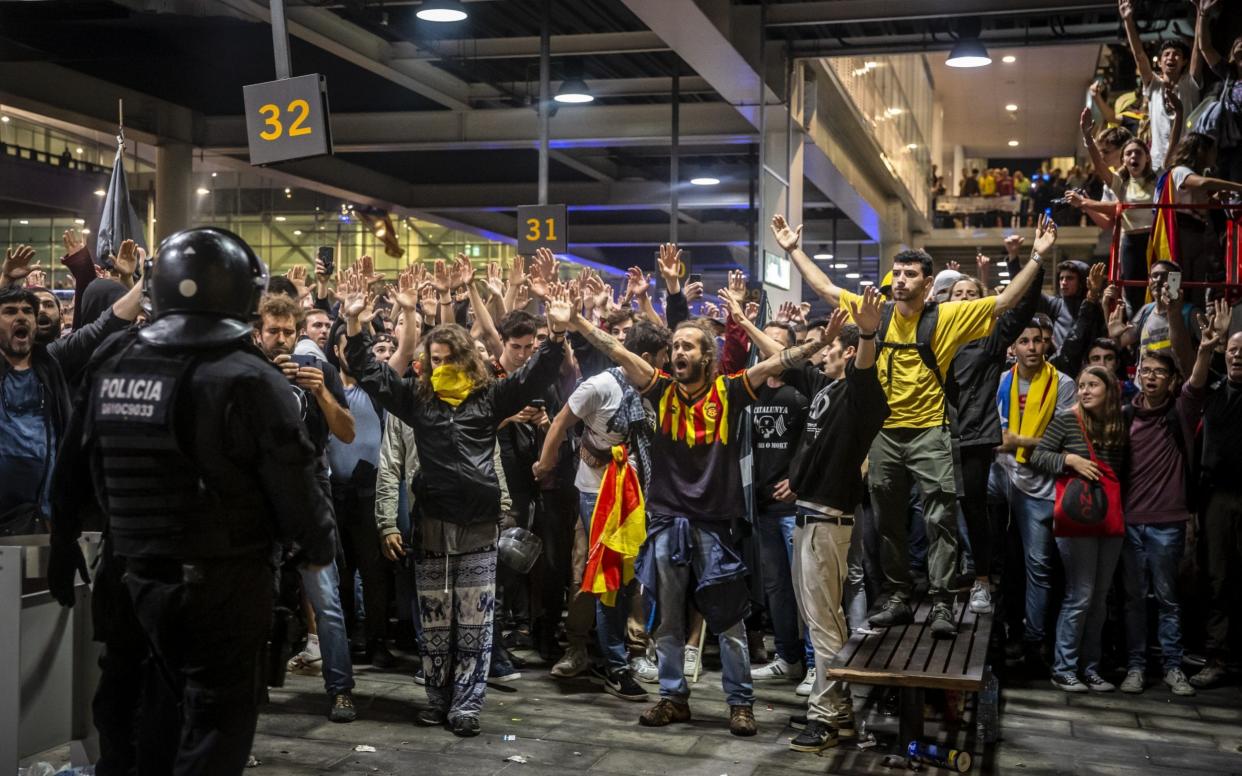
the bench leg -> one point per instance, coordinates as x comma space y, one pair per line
911, 722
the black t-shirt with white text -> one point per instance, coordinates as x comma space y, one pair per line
778, 417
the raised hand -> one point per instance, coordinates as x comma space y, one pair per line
731, 304
406, 296
710, 310
635, 283
296, 275
786, 313
1125, 9
495, 283
542, 274
752, 311
462, 273
670, 267
786, 237
517, 272
694, 291
1095, 280
36, 279
737, 285
982, 264
1013, 244
428, 301
953, 265
561, 312
17, 264
1086, 123
72, 241
440, 279
836, 322
1045, 235
366, 268
1221, 315
1117, 324
126, 259
867, 313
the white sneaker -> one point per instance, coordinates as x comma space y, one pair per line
1177, 682
1133, 683
980, 598
808, 682
572, 663
644, 670
308, 662
691, 662
777, 669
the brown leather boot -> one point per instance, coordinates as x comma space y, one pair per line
666, 712
742, 721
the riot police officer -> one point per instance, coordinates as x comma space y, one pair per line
191, 442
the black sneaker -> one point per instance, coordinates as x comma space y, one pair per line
942, 625
342, 708
815, 737
430, 717
420, 678
466, 727
621, 684
894, 612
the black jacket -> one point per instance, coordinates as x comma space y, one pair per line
976, 370
842, 421
455, 444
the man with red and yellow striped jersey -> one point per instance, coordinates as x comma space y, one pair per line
694, 494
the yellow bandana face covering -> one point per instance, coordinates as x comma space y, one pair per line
451, 384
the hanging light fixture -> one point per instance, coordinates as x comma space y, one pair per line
574, 92
968, 51
442, 11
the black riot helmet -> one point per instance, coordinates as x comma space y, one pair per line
204, 289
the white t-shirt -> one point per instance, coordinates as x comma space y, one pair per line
1161, 122
1025, 477
596, 401
1181, 196
1133, 192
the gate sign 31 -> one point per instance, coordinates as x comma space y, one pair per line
541, 226
287, 119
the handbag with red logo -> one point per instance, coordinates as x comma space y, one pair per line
1085, 507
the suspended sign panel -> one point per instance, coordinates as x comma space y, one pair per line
287, 119
542, 226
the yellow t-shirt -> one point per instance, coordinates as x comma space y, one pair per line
915, 399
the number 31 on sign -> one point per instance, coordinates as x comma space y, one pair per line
287, 119
541, 226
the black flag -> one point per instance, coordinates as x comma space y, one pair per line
118, 222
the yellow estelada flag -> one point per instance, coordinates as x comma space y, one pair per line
618, 529
1162, 246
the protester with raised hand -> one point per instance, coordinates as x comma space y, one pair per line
1180, 68
454, 406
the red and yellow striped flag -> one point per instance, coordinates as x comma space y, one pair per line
1163, 243
618, 529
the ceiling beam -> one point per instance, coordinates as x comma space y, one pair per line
597, 43
595, 125
622, 195
842, 11
321, 27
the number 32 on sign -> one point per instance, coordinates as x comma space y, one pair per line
541, 226
287, 119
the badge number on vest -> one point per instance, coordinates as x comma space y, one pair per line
138, 398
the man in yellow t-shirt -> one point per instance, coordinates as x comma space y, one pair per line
914, 445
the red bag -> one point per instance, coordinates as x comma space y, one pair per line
1086, 508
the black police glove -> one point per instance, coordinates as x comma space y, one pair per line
65, 561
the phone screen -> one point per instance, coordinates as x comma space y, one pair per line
326, 253
304, 359
694, 277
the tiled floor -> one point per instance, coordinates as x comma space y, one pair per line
573, 728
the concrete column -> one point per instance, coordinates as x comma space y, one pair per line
787, 201
894, 233
959, 161
174, 163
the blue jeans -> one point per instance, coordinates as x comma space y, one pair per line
1152, 553
1089, 563
1034, 518
775, 534
609, 620
672, 593
322, 588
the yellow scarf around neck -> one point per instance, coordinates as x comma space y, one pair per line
451, 384
1041, 403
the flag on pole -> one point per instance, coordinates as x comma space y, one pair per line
118, 222
1163, 243
618, 529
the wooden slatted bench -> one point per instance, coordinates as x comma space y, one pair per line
909, 658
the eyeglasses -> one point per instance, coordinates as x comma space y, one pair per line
1148, 371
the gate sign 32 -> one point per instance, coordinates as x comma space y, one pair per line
287, 119
541, 226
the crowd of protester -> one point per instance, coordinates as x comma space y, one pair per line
521, 460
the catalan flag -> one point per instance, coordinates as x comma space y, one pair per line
618, 529
1163, 243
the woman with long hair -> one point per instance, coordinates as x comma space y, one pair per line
453, 405
1199, 250
1094, 424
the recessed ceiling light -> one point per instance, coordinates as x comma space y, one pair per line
202, 190
79, 221
79, 150
853, 275
297, 232
822, 256
4, 119
23, 222
1013, 143
840, 266
280, 218
441, 11
214, 174
100, 193
705, 180
1011, 107
1009, 59
866, 282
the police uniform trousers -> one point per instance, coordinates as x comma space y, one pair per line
457, 603
207, 622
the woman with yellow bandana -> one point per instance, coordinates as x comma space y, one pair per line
453, 406
1027, 398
